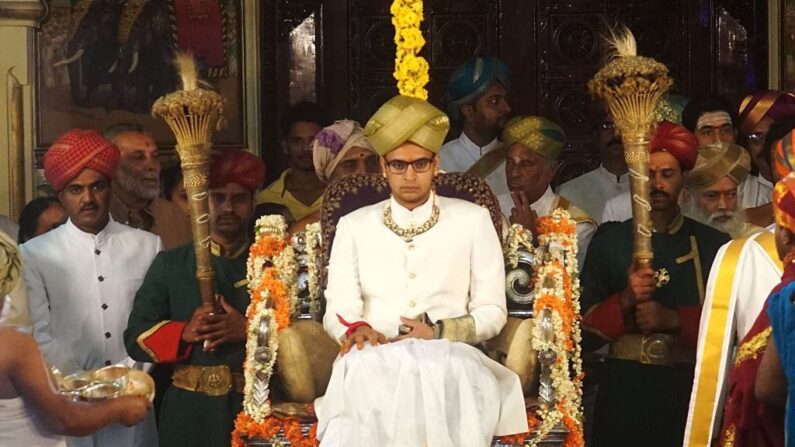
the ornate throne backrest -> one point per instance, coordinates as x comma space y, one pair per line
359, 190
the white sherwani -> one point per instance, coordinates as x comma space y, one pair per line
755, 190
618, 209
544, 207
80, 290
757, 272
591, 191
418, 392
460, 154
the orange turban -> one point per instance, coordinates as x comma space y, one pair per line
776, 104
677, 141
784, 202
76, 150
236, 166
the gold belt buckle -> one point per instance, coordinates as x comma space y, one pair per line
656, 349
213, 381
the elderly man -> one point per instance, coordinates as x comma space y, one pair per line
710, 194
649, 316
136, 197
477, 98
169, 324
416, 254
668, 137
534, 145
742, 276
82, 276
592, 190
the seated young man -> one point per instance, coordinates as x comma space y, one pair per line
413, 380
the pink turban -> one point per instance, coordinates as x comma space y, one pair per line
76, 150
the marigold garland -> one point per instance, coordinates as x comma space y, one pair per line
411, 71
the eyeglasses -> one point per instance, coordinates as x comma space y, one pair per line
400, 166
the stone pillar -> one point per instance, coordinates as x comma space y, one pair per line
18, 19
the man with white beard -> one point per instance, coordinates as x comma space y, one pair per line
136, 197
711, 194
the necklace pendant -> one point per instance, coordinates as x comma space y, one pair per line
409, 239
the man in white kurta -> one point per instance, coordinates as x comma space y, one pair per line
417, 390
742, 276
81, 282
477, 98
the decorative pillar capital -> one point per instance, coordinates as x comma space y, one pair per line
22, 12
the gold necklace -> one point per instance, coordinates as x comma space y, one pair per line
408, 233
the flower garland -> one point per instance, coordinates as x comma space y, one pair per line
557, 298
411, 71
271, 272
312, 238
518, 237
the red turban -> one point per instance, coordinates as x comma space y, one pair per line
677, 141
76, 150
784, 202
235, 166
776, 104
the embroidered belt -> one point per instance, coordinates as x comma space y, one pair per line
652, 349
210, 380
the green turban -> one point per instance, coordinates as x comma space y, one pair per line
538, 134
405, 119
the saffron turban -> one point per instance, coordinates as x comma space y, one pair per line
538, 134
332, 144
76, 150
404, 119
236, 166
472, 79
677, 141
784, 155
784, 202
716, 161
776, 104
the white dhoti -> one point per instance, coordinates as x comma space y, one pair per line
419, 393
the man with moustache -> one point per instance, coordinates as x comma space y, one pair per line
592, 190
298, 192
710, 194
649, 316
534, 145
477, 96
136, 197
169, 324
82, 276
416, 254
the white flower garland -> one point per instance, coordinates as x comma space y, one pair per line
518, 237
312, 238
555, 266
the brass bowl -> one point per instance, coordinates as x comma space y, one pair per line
75, 382
101, 391
118, 374
140, 384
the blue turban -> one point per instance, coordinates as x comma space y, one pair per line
472, 79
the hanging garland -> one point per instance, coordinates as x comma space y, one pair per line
557, 292
411, 70
271, 272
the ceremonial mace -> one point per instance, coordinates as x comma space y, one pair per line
631, 86
192, 113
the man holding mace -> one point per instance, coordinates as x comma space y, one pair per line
169, 322
649, 315
416, 253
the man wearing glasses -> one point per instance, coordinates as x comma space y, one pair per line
413, 282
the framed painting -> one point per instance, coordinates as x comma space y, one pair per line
102, 62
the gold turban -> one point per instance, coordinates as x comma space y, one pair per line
538, 134
404, 119
716, 161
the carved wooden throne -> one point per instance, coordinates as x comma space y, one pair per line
306, 352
